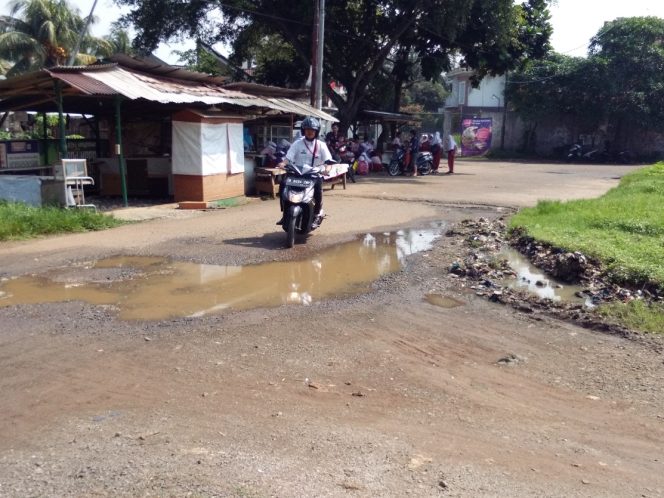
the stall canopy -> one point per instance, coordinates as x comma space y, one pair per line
141, 84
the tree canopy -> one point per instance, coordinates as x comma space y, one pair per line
618, 85
364, 39
43, 33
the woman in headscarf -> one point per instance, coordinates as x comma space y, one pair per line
437, 151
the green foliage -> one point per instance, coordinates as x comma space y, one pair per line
277, 63
118, 42
365, 40
636, 315
42, 33
619, 83
200, 60
20, 221
624, 228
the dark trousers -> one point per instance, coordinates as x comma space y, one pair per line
450, 160
437, 152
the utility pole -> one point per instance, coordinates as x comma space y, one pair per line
314, 56
319, 58
502, 128
84, 29
318, 43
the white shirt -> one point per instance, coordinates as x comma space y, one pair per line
449, 143
303, 153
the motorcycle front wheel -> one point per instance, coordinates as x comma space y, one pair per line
393, 168
290, 231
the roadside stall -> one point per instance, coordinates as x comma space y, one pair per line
161, 125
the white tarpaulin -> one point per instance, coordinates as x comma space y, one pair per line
187, 149
207, 148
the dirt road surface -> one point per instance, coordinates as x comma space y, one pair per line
381, 394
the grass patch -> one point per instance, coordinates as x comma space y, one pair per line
229, 203
20, 221
623, 229
636, 315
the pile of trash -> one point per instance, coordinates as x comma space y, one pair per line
484, 271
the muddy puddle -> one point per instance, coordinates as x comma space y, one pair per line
533, 280
442, 301
148, 288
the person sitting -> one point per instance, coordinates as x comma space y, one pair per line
334, 141
425, 144
396, 141
269, 155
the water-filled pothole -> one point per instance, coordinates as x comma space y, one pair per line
149, 288
532, 279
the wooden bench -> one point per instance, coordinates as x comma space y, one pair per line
336, 174
267, 179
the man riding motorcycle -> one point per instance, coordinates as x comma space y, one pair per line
309, 152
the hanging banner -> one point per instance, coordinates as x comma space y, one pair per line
475, 136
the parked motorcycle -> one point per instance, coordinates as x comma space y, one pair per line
578, 153
423, 161
297, 199
347, 156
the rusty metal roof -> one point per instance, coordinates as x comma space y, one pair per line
154, 82
84, 83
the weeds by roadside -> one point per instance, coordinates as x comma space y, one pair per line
20, 221
623, 230
636, 315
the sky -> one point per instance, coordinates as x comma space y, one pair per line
574, 21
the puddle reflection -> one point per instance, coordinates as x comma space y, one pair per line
149, 288
529, 277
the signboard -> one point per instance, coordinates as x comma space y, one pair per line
475, 136
19, 154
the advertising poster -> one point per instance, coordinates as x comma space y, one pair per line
475, 136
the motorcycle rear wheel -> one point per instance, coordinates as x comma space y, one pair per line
393, 168
425, 169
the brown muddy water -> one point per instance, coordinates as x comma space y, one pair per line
150, 288
532, 279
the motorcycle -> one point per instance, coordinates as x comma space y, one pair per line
347, 156
423, 162
297, 200
578, 153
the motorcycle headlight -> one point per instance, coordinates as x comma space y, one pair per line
295, 197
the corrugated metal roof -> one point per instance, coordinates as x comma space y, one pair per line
295, 107
113, 79
85, 84
138, 85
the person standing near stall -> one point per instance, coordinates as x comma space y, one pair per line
450, 148
436, 151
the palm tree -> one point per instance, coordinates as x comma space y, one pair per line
118, 42
40, 33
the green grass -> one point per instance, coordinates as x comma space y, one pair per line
229, 203
20, 221
624, 229
636, 315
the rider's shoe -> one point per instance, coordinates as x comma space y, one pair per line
281, 221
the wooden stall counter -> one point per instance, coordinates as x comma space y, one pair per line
267, 180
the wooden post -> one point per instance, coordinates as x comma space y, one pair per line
118, 150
